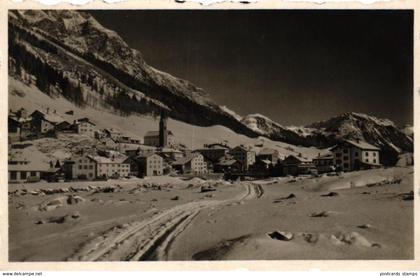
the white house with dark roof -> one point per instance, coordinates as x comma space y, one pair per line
191, 164
355, 155
244, 155
85, 127
25, 171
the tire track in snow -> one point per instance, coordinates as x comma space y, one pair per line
151, 239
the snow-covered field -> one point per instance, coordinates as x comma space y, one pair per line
358, 215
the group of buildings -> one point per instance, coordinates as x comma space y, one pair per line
121, 156
24, 126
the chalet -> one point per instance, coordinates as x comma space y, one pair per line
245, 156
108, 143
44, 122
19, 125
191, 164
271, 155
355, 155
112, 133
227, 164
324, 163
214, 152
63, 126
84, 126
295, 165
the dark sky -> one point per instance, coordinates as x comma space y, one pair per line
295, 67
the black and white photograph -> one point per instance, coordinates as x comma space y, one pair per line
210, 135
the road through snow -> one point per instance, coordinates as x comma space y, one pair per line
151, 239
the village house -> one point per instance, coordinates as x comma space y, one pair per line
112, 133
271, 155
111, 167
295, 165
324, 163
138, 150
44, 122
227, 164
245, 156
191, 164
108, 143
19, 125
25, 171
84, 126
355, 155
149, 164
171, 153
214, 152
83, 167
63, 126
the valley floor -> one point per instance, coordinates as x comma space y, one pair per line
358, 215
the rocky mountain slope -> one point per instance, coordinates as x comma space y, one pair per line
382, 133
68, 52
267, 127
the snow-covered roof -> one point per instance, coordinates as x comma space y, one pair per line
106, 160
84, 120
324, 156
227, 162
268, 151
183, 160
30, 167
362, 145
146, 154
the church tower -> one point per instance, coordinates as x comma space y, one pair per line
163, 132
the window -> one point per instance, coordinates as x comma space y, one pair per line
90, 167
345, 151
13, 175
85, 167
366, 153
338, 155
374, 160
346, 165
80, 167
374, 153
345, 158
33, 173
23, 175
356, 153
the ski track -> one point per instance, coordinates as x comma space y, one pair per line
152, 238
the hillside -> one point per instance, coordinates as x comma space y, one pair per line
31, 98
68, 52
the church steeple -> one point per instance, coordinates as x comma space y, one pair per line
163, 132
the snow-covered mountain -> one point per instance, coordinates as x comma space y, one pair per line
68, 52
382, 133
267, 127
